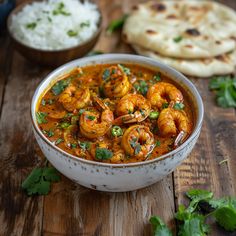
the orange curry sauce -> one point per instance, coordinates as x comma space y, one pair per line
106, 113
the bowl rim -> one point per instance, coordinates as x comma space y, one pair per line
22, 5
135, 59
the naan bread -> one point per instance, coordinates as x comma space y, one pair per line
182, 29
220, 65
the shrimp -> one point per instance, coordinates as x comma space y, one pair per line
171, 122
73, 98
132, 108
95, 124
56, 111
163, 92
138, 141
115, 82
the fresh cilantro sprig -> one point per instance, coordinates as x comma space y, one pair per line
60, 86
159, 227
225, 87
39, 181
191, 219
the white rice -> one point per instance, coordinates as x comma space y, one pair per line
55, 24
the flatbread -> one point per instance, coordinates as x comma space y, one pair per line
220, 65
182, 29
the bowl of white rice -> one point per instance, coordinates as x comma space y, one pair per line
53, 32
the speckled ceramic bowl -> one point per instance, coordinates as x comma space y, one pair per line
117, 177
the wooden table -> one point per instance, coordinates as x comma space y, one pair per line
71, 209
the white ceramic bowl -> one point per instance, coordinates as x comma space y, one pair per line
117, 177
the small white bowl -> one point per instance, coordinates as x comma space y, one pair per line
117, 177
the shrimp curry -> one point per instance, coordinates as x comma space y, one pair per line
115, 113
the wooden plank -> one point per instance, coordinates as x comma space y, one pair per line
73, 210
19, 214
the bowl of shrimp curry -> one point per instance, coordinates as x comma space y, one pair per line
116, 122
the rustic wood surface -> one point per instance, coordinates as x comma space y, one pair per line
71, 209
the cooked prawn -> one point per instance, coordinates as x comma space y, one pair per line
73, 98
56, 111
138, 141
93, 123
132, 108
116, 83
171, 122
163, 92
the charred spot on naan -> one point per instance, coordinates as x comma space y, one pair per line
150, 31
224, 58
171, 16
188, 46
192, 32
218, 42
135, 7
160, 7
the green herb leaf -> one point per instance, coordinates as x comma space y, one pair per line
39, 181
73, 145
126, 70
158, 143
61, 10
64, 125
85, 24
43, 102
41, 117
72, 33
85, 145
178, 39
60, 140
60, 86
157, 77
31, 26
106, 74
179, 106
137, 149
141, 86
153, 115
225, 87
165, 105
116, 24
159, 228
91, 117
103, 154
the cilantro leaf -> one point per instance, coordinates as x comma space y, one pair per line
60, 86
157, 77
194, 226
39, 181
103, 154
116, 24
106, 74
41, 117
85, 145
178, 39
179, 106
58, 141
225, 90
141, 86
159, 228
126, 70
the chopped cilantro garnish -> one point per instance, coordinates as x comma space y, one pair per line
106, 74
72, 33
60, 140
116, 24
85, 24
41, 117
91, 117
103, 154
179, 106
60, 86
126, 70
60, 10
158, 143
141, 86
64, 125
85, 145
31, 25
81, 111
165, 105
177, 39
157, 77
137, 149
73, 145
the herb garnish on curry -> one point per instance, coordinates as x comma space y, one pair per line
115, 113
